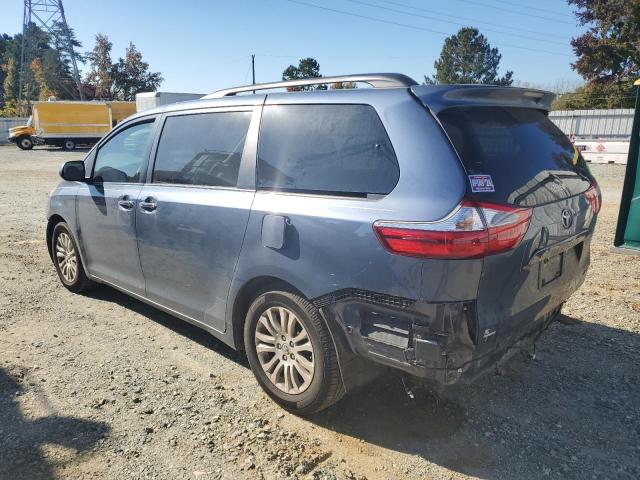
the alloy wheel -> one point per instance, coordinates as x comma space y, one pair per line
66, 257
284, 350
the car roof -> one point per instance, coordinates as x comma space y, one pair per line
434, 97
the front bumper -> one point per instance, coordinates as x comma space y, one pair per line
431, 341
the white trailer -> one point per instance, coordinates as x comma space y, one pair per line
147, 100
603, 151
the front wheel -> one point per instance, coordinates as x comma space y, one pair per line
25, 143
67, 260
69, 144
291, 353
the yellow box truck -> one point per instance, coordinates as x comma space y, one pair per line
68, 124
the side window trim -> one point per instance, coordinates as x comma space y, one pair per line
120, 128
248, 162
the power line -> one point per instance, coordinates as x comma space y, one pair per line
452, 22
414, 27
549, 19
434, 12
544, 10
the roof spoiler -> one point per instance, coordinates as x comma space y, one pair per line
439, 97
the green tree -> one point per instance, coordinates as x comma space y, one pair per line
467, 57
100, 66
307, 68
131, 75
608, 54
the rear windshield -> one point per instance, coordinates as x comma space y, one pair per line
515, 155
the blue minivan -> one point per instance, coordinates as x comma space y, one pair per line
331, 233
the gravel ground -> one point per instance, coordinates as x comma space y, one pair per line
103, 386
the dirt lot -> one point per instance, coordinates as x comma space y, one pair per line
103, 386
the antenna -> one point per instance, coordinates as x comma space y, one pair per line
49, 16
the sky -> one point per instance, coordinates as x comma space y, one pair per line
203, 46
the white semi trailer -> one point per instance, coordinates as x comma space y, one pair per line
147, 100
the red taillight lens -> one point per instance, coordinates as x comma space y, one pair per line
594, 197
472, 230
505, 226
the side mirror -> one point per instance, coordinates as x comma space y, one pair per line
73, 171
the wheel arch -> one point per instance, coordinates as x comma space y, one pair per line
51, 223
245, 296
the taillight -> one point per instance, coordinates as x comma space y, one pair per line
594, 197
472, 230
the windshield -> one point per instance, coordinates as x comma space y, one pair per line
30, 122
515, 155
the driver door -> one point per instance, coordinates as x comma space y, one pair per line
106, 207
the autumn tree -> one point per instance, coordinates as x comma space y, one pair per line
343, 85
467, 57
608, 54
306, 68
131, 75
100, 65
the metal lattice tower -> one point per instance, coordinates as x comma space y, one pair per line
46, 14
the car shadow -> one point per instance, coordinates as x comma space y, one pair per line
185, 329
21, 439
571, 411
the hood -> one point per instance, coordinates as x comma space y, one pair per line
21, 130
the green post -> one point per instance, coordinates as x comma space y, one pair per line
627, 239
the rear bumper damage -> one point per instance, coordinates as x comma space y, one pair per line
437, 342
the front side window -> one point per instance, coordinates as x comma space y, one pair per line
123, 157
202, 149
325, 149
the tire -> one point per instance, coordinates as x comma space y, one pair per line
66, 257
68, 144
303, 393
24, 143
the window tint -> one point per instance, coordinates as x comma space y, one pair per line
124, 156
202, 149
338, 149
529, 159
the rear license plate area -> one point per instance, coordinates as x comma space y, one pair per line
550, 269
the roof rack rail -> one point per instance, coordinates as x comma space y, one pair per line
376, 80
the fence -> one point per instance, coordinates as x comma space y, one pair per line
609, 125
6, 124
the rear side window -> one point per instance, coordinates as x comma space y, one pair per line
529, 160
325, 149
202, 149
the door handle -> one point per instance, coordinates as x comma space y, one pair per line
125, 203
148, 204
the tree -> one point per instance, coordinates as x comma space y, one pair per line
99, 74
467, 57
608, 54
596, 95
307, 68
343, 85
131, 75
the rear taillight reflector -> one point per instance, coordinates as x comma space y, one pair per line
594, 197
472, 230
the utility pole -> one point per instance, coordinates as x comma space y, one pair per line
253, 69
49, 16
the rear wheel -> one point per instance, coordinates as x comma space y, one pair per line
69, 144
67, 260
291, 353
25, 143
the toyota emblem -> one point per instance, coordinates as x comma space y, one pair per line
567, 218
